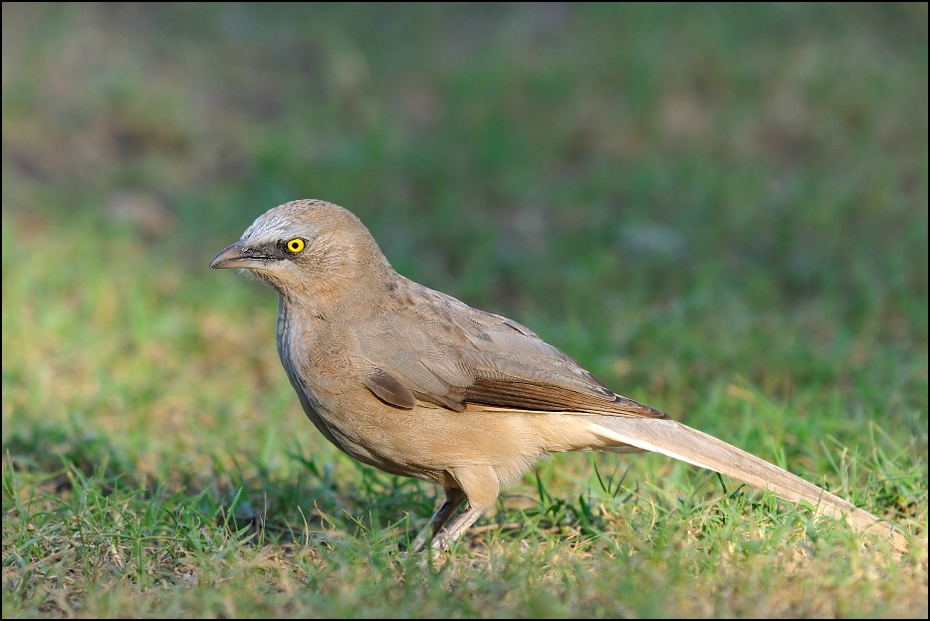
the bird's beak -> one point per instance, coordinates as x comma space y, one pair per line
236, 256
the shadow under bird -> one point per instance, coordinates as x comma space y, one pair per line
418, 383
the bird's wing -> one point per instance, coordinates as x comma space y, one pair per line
445, 352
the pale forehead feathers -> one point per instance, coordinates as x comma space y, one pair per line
271, 225
305, 218
288, 220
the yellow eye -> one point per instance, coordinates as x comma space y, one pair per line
295, 245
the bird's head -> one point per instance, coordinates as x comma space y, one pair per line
307, 247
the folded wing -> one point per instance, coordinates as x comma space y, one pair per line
445, 352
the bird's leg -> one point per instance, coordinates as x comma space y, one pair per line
458, 526
481, 486
454, 499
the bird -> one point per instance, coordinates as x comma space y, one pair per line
417, 383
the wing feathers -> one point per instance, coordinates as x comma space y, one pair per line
478, 357
535, 396
390, 389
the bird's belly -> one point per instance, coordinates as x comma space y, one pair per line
429, 441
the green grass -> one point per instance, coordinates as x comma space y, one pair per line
720, 211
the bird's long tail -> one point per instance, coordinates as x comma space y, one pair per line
671, 438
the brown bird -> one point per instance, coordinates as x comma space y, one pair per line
417, 383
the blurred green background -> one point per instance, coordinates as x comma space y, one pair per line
712, 207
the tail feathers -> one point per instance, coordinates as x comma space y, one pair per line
694, 447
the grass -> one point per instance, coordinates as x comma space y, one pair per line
719, 211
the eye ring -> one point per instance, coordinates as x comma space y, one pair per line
295, 245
